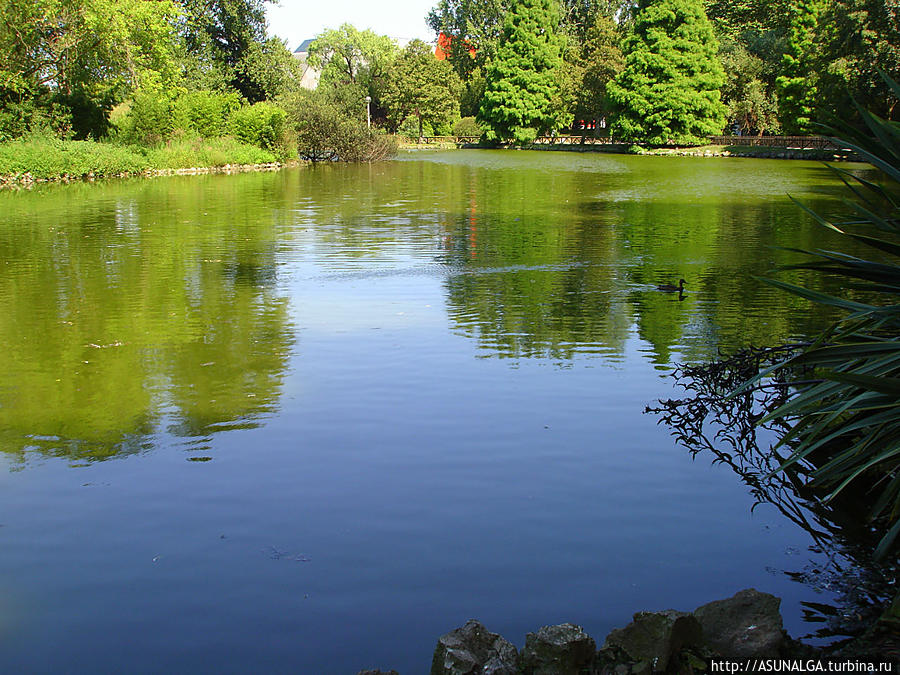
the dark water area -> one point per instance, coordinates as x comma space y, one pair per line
308, 421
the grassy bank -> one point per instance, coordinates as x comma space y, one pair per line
48, 158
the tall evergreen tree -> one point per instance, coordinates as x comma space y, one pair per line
797, 83
521, 81
669, 89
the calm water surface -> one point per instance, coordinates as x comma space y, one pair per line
308, 421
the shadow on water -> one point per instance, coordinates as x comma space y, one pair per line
730, 430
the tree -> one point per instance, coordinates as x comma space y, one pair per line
668, 91
477, 25
601, 61
797, 88
269, 70
735, 17
750, 101
474, 28
422, 86
325, 133
220, 35
84, 55
521, 81
348, 56
856, 40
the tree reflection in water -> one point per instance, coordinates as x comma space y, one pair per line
732, 427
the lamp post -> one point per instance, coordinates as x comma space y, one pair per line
368, 112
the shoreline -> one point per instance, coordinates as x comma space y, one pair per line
737, 151
26, 180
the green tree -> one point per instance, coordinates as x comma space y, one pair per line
84, 55
797, 84
750, 100
474, 27
221, 36
601, 60
735, 17
354, 58
522, 81
269, 69
325, 133
421, 86
668, 91
856, 40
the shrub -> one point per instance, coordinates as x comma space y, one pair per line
205, 112
150, 119
324, 132
20, 118
261, 124
467, 126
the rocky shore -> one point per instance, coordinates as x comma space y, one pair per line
742, 630
27, 180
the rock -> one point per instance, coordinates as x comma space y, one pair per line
745, 626
655, 638
472, 650
564, 649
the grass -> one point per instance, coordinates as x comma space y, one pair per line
48, 158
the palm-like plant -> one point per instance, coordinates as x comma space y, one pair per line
846, 417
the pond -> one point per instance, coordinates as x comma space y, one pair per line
310, 420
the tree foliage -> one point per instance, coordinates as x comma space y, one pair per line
797, 81
858, 40
325, 133
522, 80
347, 56
750, 100
84, 55
602, 61
227, 36
668, 91
421, 86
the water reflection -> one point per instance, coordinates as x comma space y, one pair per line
145, 307
546, 271
706, 421
133, 310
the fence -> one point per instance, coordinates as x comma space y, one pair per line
791, 142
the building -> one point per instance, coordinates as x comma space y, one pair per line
310, 77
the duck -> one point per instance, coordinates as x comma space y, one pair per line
669, 288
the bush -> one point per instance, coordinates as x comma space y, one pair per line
150, 118
467, 126
19, 118
324, 132
205, 112
261, 124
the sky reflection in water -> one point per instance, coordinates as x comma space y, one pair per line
412, 393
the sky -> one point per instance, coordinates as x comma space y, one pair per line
298, 20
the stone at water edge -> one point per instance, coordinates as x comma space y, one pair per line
474, 650
655, 638
564, 649
745, 626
